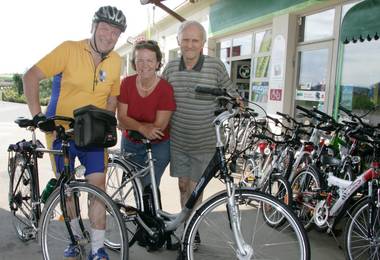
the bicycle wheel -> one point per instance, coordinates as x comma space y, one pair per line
210, 225
54, 235
24, 219
126, 193
279, 188
361, 238
304, 187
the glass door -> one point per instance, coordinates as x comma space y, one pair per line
313, 75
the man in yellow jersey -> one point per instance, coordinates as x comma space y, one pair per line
85, 72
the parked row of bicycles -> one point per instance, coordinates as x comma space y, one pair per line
326, 171
282, 176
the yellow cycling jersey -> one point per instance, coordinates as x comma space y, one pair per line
76, 81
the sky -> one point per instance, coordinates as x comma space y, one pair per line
32, 28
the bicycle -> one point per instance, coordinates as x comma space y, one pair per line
67, 202
336, 199
230, 222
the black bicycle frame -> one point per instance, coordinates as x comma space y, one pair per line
35, 185
217, 163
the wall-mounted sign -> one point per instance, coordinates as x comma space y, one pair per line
310, 95
278, 58
275, 94
244, 71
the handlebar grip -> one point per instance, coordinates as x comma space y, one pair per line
303, 109
248, 114
47, 125
212, 91
275, 120
352, 123
281, 114
323, 114
285, 116
345, 110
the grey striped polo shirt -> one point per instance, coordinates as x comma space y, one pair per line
191, 124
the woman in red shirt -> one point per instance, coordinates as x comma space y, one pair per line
145, 104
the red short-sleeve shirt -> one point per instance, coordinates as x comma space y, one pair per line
144, 109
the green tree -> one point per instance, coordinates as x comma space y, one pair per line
45, 91
362, 102
17, 81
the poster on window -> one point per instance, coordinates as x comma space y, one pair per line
259, 92
310, 95
278, 58
244, 71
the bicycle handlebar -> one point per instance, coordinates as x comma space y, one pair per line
323, 115
353, 116
211, 91
49, 125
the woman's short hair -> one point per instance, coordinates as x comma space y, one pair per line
148, 45
186, 24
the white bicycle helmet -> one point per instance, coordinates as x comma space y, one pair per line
111, 15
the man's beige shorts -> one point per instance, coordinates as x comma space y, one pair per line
183, 164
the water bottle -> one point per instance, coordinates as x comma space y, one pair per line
50, 186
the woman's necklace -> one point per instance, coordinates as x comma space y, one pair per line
152, 84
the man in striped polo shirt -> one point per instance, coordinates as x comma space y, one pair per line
193, 137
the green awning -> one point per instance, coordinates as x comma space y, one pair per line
361, 22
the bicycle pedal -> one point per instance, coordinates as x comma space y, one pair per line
29, 233
83, 241
30, 237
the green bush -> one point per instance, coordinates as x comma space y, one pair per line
11, 95
17, 81
15, 93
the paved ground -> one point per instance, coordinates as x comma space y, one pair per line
323, 246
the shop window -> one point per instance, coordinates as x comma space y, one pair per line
312, 77
360, 83
317, 26
247, 59
360, 77
242, 46
224, 53
314, 60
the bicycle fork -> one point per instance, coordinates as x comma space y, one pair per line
244, 250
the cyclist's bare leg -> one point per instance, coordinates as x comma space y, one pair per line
96, 211
186, 187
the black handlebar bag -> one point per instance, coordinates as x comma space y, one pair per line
94, 127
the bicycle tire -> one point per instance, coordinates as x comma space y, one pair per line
358, 243
212, 222
280, 189
130, 195
24, 218
54, 237
305, 182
